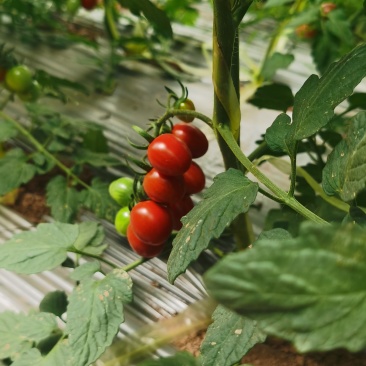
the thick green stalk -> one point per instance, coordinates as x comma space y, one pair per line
227, 93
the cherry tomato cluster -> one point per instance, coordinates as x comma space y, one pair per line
167, 187
19, 80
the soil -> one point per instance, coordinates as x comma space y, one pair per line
276, 352
31, 204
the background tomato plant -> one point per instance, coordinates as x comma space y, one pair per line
328, 188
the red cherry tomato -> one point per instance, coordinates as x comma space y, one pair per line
140, 247
89, 4
194, 138
169, 155
194, 179
305, 31
326, 8
2, 74
180, 209
163, 188
185, 105
151, 222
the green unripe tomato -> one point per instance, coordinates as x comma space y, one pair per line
185, 105
32, 94
72, 6
122, 220
121, 190
19, 79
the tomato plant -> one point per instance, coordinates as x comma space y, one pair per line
151, 222
121, 190
163, 188
169, 155
193, 137
275, 270
19, 79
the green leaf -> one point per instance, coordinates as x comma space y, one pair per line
98, 200
229, 338
53, 85
309, 290
94, 314
338, 25
153, 14
273, 96
14, 170
274, 234
231, 194
95, 140
283, 218
60, 355
63, 199
96, 159
7, 130
85, 271
315, 102
358, 216
274, 62
43, 164
273, 3
276, 133
91, 238
19, 331
357, 100
54, 302
40, 250
179, 359
345, 170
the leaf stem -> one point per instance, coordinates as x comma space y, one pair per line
135, 264
43, 150
284, 198
292, 176
272, 46
259, 151
99, 258
183, 112
109, 21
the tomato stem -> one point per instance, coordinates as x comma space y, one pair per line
99, 258
281, 195
183, 112
135, 264
43, 150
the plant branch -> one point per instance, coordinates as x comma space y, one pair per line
40, 148
99, 258
281, 195
180, 112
